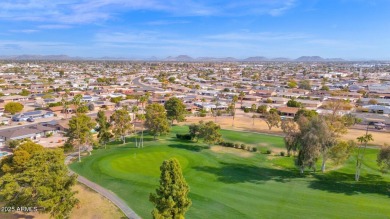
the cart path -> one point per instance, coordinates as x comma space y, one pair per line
104, 192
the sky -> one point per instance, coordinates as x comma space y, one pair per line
349, 29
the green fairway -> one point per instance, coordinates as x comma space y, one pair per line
225, 185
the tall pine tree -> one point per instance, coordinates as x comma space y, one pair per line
171, 197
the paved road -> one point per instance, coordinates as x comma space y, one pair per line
104, 192
137, 82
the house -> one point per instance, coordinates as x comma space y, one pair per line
104, 105
31, 131
252, 98
32, 114
298, 91
210, 106
265, 93
278, 100
288, 95
310, 103
378, 109
380, 101
13, 98
287, 111
70, 109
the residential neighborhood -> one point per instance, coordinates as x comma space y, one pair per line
46, 89
89, 109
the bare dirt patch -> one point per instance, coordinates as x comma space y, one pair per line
92, 206
226, 150
243, 122
380, 138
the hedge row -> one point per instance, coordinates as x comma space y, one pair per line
183, 136
238, 146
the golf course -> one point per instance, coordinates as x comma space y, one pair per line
233, 183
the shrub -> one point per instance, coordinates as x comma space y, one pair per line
249, 148
229, 144
68, 147
187, 137
237, 145
254, 149
183, 136
243, 146
282, 153
247, 110
268, 151
222, 143
12, 143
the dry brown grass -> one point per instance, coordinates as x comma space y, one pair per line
380, 138
91, 206
243, 122
235, 151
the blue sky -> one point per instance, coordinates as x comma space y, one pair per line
350, 29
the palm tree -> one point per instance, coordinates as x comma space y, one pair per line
233, 106
241, 96
143, 100
253, 109
134, 110
203, 101
65, 106
362, 139
77, 100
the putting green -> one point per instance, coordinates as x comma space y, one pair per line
225, 185
126, 164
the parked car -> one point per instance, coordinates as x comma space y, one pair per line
30, 119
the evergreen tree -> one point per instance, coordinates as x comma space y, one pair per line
171, 197
176, 109
156, 119
383, 159
210, 132
104, 133
122, 125
79, 132
44, 182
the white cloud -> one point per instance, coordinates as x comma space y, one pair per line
54, 26
91, 11
166, 22
258, 36
283, 8
24, 31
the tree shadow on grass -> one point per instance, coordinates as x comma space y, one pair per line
240, 173
132, 139
190, 147
337, 182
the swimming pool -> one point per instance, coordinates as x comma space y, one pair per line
3, 154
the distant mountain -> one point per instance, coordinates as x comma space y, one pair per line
40, 57
317, 59
281, 59
213, 59
256, 59
153, 58
180, 58
310, 59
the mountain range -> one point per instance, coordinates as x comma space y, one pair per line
180, 58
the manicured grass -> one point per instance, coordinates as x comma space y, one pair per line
229, 186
